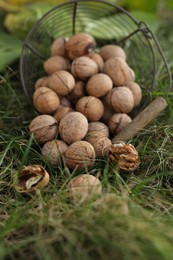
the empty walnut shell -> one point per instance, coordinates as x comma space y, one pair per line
45, 100
112, 51
91, 107
32, 178
44, 128
62, 82
83, 68
80, 155
125, 155
83, 187
53, 151
73, 127
56, 63
118, 70
99, 85
79, 45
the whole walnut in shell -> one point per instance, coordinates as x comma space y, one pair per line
65, 102
44, 128
58, 46
83, 68
62, 82
53, 151
83, 187
79, 45
91, 107
99, 85
45, 100
56, 63
136, 91
41, 82
121, 99
80, 155
100, 142
61, 112
78, 91
73, 127
98, 60
117, 122
95, 127
118, 70
112, 51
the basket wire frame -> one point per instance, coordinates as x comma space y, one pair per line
144, 53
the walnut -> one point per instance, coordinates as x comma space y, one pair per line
45, 100
53, 151
112, 51
125, 155
79, 45
91, 107
56, 63
44, 128
73, 127
62, 82
32, 178
83, 187
108, 111
118, 70
117, 122
121, 99
100, 142
83, 68
65, 102
94, 127
99, 85
136, 91
78, 91
58, 46
80, 155
98, 60
41, 82
61, 112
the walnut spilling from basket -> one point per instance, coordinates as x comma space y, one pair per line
83, 102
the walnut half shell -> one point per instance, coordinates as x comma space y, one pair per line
32, 177
125, 155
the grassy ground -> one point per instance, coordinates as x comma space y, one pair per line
132, 219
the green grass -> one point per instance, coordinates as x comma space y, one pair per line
132, 219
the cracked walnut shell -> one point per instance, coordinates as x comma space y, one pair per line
32, 178
125, 155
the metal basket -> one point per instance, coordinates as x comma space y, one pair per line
107, 23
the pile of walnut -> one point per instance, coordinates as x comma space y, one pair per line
83, 101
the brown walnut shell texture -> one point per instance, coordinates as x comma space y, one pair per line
79, 45
56, 63
95, 127
73, 127
125, 155
45, 100
98, 60
62, 82
44, 128
99, 85
80, 155
32, 178
83, 187
58, 47
41, 82
118, 70
83, 68
112, 51
61, 112
54, 150
136, 91
91, 107
121, 99
117, 122
78, 91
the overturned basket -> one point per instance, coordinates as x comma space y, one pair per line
107, 23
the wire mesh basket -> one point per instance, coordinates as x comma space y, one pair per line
107, 23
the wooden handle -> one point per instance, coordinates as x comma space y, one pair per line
142, 119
